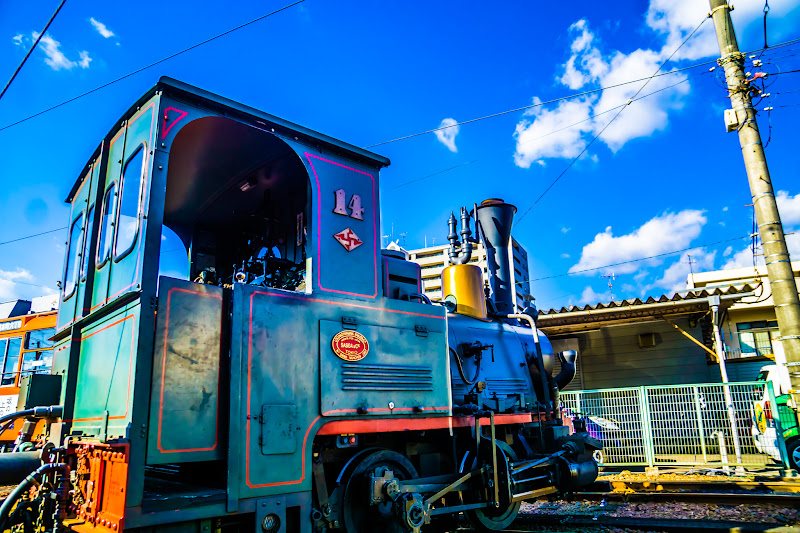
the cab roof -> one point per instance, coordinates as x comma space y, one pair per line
205, 99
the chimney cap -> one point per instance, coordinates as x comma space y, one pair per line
489, 202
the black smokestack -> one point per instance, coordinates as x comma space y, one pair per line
494, 217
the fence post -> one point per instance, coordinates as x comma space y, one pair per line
700, 427
776, 419
647, 435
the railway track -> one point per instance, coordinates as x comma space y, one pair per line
530, 523
727, 498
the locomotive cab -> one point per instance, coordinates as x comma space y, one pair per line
237, 203
238, 353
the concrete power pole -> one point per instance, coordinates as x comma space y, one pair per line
743, 119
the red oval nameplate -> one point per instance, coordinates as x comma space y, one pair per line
350, 345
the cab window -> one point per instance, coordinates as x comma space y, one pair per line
74, 247
87, 243
106, 225
130, 195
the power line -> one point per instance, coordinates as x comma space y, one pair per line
32, 236
537, 138
572, 273
714, 62
568, 97
39, 38
25, 283
152, 65
630, 100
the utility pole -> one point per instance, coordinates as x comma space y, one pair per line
742, 118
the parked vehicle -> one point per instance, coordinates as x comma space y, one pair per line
764, 429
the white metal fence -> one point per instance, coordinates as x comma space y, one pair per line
682, 425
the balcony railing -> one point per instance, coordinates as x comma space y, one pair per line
743, 354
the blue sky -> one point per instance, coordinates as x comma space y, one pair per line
663, 177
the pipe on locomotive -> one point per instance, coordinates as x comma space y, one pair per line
460, 251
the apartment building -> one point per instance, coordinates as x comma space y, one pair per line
434, 259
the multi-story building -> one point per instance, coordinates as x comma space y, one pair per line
434, 259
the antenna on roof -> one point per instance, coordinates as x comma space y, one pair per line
610, 277
690, 262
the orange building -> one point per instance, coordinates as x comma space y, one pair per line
24, 349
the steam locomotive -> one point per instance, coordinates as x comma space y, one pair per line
286, 374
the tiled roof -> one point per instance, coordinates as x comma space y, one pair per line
684, 296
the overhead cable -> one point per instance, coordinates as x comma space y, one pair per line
151, 65
572, 273
568, 97
630, 100
538, 104
33, 47
32, 236
591, 117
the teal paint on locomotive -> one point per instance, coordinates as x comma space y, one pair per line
231, 374
283, 344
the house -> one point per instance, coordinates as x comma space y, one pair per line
656, 341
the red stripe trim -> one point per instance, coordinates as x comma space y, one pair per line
388, 425
164, 371
445, 409
130, 369
319, 227
339, 304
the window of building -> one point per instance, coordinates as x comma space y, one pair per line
130, 196
36, 362
38, 339
423, 255
433, 266
755, 338
10, 352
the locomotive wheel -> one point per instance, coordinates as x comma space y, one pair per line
494, 518
358, 514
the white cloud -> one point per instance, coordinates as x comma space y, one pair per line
741, 259
646, 116
18, 39
585, 64
788, 207
101, 28
727, 251
565, 230
725, 208
661, 234
667, 23
674, 277
553, 126
565, 256
85, 59
447, 136
588, 296
55, 57
8, 289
